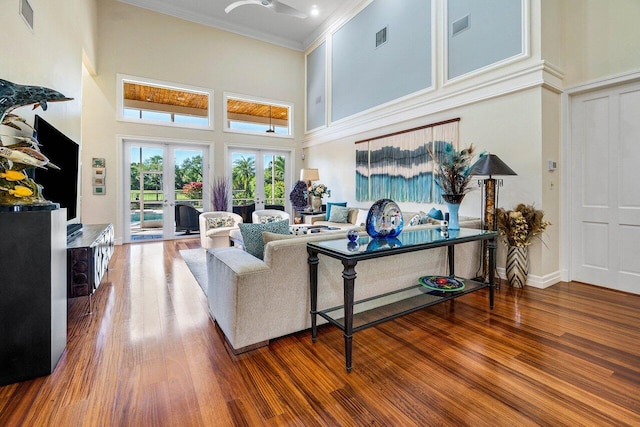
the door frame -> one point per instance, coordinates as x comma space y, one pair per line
122, 189
567, 187
289, 172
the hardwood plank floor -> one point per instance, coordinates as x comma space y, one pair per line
149, 355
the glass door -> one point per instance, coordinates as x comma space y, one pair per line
260, 180
164, 190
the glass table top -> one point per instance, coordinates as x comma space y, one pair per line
406, 240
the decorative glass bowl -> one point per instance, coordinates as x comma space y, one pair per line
384, 219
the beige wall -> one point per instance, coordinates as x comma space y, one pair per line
601, 38
142, 43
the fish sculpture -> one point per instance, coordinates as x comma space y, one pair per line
11, 175
13, 95
15, 121
28, 140
27, 156
18, 191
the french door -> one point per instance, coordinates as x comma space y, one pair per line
157, 176
260, 177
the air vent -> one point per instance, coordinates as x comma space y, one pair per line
460, 25
26, 11
381, 37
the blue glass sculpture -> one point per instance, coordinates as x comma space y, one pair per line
352, 235
384, 219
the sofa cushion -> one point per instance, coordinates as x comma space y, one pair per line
339, 214
220, 221
252, 235
329, 205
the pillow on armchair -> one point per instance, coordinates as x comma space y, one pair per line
218, 222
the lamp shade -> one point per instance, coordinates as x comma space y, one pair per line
309, 175
491, 165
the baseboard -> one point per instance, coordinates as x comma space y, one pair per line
540, 282
237, 351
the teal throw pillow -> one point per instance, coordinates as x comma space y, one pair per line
329, 205
436, 214
339, 214
252, 235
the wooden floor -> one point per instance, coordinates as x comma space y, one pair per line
150, 356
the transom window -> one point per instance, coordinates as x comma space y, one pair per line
163, 103
244, 114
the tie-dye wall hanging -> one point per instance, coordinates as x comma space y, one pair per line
398, 166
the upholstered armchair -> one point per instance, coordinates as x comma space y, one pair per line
215, 228
269, 215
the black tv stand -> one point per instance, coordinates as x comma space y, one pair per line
88, 258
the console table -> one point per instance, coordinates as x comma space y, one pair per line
88, 258
394, 304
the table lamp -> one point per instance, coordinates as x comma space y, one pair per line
308, 175
490, 165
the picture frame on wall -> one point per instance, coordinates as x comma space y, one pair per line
98, 162
99, 190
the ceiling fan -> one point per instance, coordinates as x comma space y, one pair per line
274, 5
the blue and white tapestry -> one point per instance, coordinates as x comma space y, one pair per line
399, 167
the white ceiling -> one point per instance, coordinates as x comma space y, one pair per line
257, 21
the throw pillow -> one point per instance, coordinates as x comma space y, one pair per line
252, 235
329, 205
415, 220
362, 217
264, 219
339, 214
268, 236
221, 221
436, 214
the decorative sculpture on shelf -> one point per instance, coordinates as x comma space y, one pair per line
16, 187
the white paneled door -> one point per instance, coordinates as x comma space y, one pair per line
605, 188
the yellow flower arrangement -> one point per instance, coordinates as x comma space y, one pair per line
519, 226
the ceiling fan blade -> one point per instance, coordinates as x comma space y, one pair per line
287, 10
240, 3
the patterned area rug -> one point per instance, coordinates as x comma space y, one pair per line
196, 260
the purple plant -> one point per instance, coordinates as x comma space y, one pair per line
220, 193
298, 195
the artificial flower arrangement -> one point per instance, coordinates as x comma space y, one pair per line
452, 167
320, 190
519, 226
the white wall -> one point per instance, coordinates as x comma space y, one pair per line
139, 42
50, 55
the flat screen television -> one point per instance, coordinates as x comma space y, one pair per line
60, 186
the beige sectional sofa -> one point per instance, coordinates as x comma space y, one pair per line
254, 301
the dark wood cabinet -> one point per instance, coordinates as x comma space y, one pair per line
88, 257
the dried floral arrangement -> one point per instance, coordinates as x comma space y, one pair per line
519, 226
220, 190
320, 190
451, 170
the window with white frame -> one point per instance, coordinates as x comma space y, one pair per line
246, 114
163, 103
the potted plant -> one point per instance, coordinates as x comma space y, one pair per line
517, 228
451, 174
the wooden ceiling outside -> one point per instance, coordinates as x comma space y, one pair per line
238, 106
166, 96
